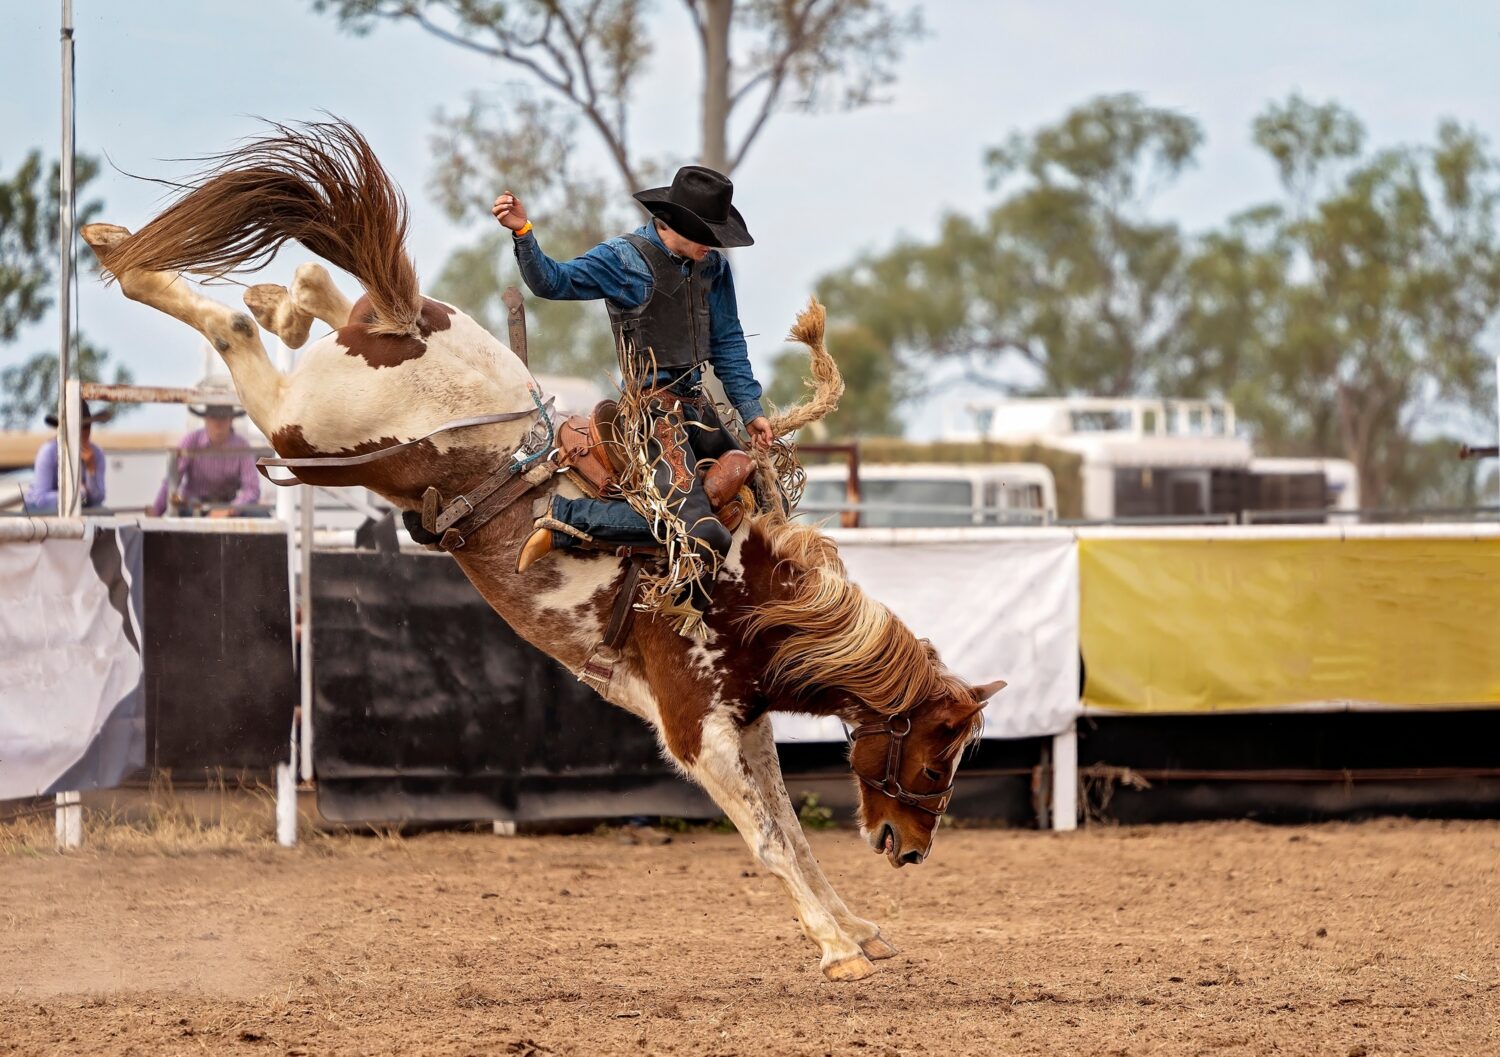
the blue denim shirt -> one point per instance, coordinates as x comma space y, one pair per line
615, 271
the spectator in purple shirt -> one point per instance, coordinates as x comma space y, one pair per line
41, 496
223, 476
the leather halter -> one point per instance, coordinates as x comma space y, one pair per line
896, 728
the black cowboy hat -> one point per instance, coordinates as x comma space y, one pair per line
224, 410
697, 206
89, 417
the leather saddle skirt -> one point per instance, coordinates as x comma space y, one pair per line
591, 452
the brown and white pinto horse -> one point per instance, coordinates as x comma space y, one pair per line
787, 630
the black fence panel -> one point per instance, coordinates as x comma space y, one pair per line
1292, 766
221, 683
429, 707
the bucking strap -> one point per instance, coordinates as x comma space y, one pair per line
334, 462
624, 610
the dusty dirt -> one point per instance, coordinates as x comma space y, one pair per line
1348, 940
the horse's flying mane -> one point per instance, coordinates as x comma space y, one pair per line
839, 638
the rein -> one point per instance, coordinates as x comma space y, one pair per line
896, 728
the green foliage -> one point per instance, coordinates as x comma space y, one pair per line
29, 215
586, 58
28, 390
1345, 319
1351, 319
28, 238
1064, 286
487, 149
812, 814
868, 406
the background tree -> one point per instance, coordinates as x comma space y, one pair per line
586, 58
28, 276
532, 144
1347, 318
1065, 286
28, 390
1350, 319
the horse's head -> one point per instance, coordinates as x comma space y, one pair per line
906, 763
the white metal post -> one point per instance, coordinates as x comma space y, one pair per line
1065, 779
69, 821
286, 803
69, 441
68, 468
305, 545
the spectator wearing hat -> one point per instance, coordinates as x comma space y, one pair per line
41, 496
215, 466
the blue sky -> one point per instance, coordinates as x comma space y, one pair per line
172, 78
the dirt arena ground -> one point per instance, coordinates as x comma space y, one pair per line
1348, 940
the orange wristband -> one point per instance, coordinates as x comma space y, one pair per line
525, 230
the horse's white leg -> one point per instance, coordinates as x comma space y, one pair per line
289, 313
313, 291
765, 766
720, 767
231, 332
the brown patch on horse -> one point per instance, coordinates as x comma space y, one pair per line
401, 477
389, 350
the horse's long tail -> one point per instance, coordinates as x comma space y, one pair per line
826, 383
318, 183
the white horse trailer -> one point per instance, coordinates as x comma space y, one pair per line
926, 495
1157, 459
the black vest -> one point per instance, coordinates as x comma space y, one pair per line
673, 323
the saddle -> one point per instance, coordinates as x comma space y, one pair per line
590, 450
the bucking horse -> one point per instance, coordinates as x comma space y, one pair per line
411, 398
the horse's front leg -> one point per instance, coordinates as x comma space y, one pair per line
720, 766
765, 766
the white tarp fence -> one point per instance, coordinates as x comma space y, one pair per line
72, 700
997, 603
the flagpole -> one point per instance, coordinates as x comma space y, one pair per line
69, 480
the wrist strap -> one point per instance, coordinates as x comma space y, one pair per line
525, 230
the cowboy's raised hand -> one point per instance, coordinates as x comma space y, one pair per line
509, 211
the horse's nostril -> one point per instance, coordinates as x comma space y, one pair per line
912, 857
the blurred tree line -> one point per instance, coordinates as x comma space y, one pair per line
1346, 318
28, 259
581, 62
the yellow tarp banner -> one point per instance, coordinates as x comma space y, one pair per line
1194, 625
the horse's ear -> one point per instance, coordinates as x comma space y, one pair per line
989, 690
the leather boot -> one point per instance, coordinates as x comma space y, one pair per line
537, 546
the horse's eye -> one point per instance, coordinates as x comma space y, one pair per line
931, 774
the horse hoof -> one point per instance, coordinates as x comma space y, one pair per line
877, 948
275, 310
850, 969
103, 236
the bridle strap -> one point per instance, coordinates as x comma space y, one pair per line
896, 728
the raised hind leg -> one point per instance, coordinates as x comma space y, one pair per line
721, 768
233, 333
289, 313
765, 766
